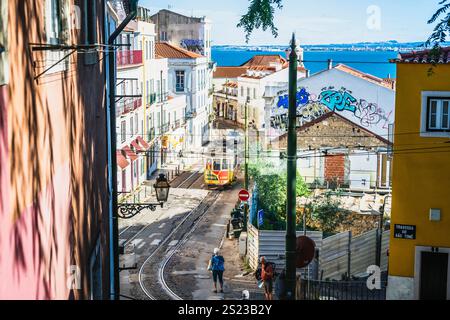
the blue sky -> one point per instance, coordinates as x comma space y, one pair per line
315, 22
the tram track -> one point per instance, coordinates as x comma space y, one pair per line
151, 273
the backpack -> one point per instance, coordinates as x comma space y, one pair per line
258, 272
217, 263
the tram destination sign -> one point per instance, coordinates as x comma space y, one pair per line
402, 231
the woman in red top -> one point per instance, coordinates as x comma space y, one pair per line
267, 278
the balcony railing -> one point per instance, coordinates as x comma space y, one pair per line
190, 114
129, 57
151, 99
128, 106
165, 128
151, 134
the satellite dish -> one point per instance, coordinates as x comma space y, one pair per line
305, 251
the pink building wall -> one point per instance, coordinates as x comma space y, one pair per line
53, 170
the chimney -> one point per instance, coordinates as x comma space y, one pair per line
308, 73
330, 64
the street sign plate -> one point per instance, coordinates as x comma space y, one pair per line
402, 231
244, 195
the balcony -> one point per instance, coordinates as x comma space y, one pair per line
165, 128
151, 99
151, 134
128, 106
129, 57
191, 114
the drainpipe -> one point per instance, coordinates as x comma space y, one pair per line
114, 223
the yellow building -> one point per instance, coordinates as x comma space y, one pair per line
419, 265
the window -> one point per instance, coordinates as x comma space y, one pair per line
242, 91
136, 121
435, 114
438, 118
248, 92
254, 93
53, 21
179, 81
123, 129
131, 126
56, 32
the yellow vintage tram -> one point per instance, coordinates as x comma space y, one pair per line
222, 164
220, 171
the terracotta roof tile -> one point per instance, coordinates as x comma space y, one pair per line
364, 76
229, 72
265, 60
425, 56
167, 50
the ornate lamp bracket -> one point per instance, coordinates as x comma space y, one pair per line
129, 210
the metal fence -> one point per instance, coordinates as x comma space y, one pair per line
338, 290
272, 245
345, 255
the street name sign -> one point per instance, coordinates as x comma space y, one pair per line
402, 231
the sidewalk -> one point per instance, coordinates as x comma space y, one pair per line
189, 266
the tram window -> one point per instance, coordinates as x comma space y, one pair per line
216, 165
225, 165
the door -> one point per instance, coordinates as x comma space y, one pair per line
433, 276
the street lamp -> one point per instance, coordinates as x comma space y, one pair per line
162, 187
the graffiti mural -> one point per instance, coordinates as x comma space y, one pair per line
311, 107
338, 100
370, 114
302, 98
194, 45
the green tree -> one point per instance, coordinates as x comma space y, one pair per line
327, 213
272, 192
442, 29
260, 14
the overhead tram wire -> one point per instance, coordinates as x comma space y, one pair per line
195, 155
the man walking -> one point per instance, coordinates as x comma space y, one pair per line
267, 278
216, 265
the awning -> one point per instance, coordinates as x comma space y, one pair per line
137, 146
130, 154
143, 143
122, 162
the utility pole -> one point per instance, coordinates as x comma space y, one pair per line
246, 161
291, 176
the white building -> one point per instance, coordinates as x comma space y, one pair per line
146, 112
190, 33
189, 76
351, 115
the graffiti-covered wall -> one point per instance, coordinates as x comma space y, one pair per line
363, 102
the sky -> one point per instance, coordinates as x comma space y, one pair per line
314, 22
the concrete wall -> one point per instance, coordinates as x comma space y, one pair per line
53, 171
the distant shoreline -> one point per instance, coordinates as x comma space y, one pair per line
389, 46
